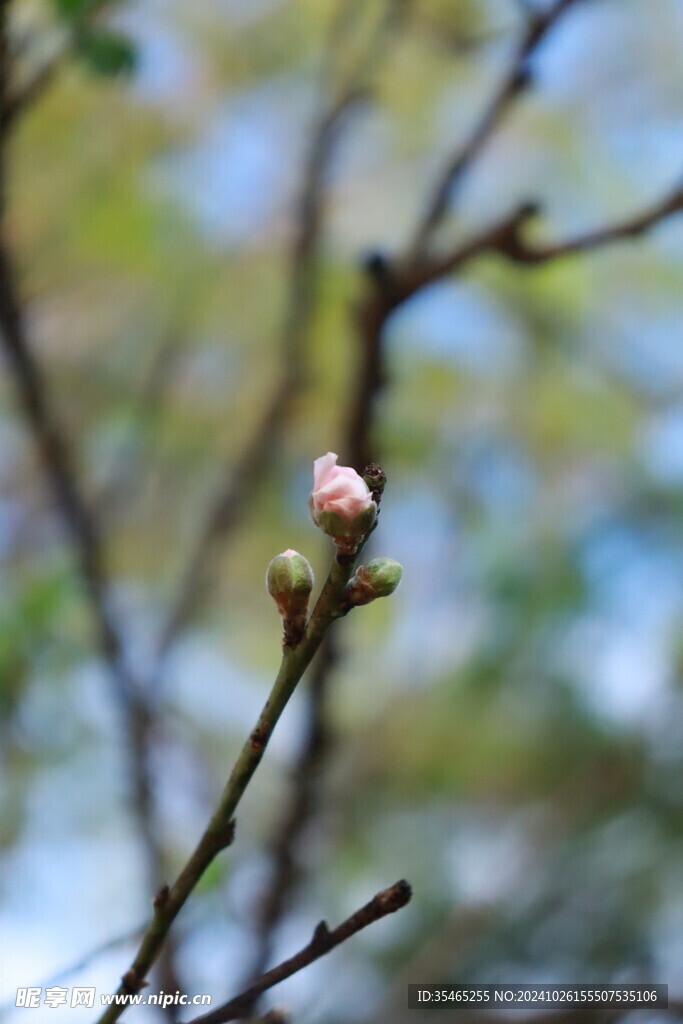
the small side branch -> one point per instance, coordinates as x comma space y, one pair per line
511, 242
386, 902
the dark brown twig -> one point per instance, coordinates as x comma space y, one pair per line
391, 284
512, 243
386, 902
514, 82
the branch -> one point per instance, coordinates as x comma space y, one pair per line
514, 82
512, 243
303, 788
386, 902
79, 520
508, 237
219, 833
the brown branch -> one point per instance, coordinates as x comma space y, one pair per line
386, 902
512, 243
303, 790
513, 84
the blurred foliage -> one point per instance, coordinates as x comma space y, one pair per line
508, 726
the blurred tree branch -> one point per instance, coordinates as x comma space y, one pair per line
59, 468
386, 902
517, 78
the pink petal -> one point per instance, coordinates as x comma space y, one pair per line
322, 468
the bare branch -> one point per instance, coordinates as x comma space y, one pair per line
508, 237
386, 902
513, 84
304, 784
516, 247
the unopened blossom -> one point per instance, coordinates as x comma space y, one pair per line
338, 489
379, 578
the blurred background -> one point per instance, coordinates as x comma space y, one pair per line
505, 732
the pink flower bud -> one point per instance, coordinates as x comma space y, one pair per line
338, 488
341, 502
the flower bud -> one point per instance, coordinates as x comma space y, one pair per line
290, 581
379, 578
341, 503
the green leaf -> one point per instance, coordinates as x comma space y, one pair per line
106, 52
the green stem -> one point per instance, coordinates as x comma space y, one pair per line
219, 832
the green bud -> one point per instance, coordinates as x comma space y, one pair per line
290, 581
379, 578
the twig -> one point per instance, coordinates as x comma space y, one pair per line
220, 830
386, 902
508, 238
304, 783
513, 244
514, 82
